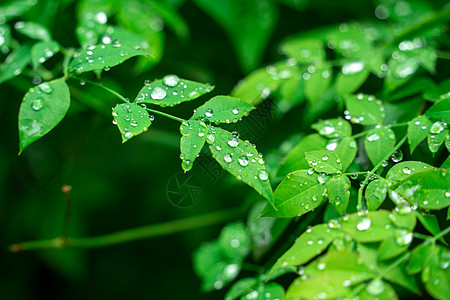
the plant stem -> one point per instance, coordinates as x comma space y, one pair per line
134, 234
363, 133
371, 172
165, 115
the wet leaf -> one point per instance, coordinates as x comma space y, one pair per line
193, 138
308, 245
234, 241
270, 291
42, 51
240, 287
373, 226
131, 119
418, 130
324, 161
15, 63
300, 192
223, 109
317, 80
430, 223
345, 148
338, 192
102, 57
304, 50
333, 128
351, 77
42, 108
364, 109
33, 30
404, 169
377, 289
436, 273
390, 247
241, 159
171, 90
440, 111
437, 136
375, 193
418, 257
379, 142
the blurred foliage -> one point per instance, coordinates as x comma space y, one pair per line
302, 63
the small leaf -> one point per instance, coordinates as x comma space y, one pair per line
364, 109
241, 159
428, 189
119, 36
375, 193
379, 142
310, 244
351, 77
377, 289
171, 90
418, 130
404, 217
304, 50
234, 241
15, 63
193, 138
42, 108
333, 128
33, 30
373, 226
295, 159
338, 192
345, 148
440, 111
131, 119
324, 161
418, 256
102, 57
390, 247
430, 223
223, 109
317, 79
300, 192
398, 275
42, 51
436, 274
270, 291
437, 136
404, 169
240, 287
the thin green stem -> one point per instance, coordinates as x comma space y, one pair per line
365, 132
441, 234
165, 115
101, 86
420, 236
371, 172
134, 234
443, 54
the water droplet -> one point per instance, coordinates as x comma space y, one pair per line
321, 266
186, 164
209, 113
210, 138
263, 175
364, 223
352, 68
322, 178
171, 80
243, 161
128, 135
332, 146
437, 127
325, 157
106, 68
354, 176
233, 142
397, 156
158, 93
37, 104
147, 82
235, 111
373, 137
46, 88
227, 158
403, 237
375, 287
116, 43
406, 170
384, 163
326, 130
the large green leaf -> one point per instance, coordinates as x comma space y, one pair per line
131, 119
42, 108
364, 109
373, 226
440, 111
241, 159
324, 161
33, 30
171, 90
15, 63
300, 192
333, 128
338, 192
379, 142
404, 169
223, 109
193, 138
418, 130
295, 159
102, 57
42, 51
436, 274
310, 244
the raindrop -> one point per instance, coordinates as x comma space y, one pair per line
186, 164
354, 176
37, 104
322, 178
437, 127
210, 138
373, 137
227, 158
46, 88
147, 82
375, 287
209, 113
116, 43
403, 237
235, 111
263, 175
158, 93
171, 80
384, 163
397, 156
325, 157
233, 142
243, 161
364, 223
352, 68
326, 130
128, 135
133, 123
406, 170
106, 68
331, 146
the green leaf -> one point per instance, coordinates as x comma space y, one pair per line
102, 57
171, 90
295, 159
440, 111
42, 51
377, 289
300, 192
42, 108
241, 159
436, 274
398, 275
437, 136
324, 161
308, 245
90, 31
234, 241
375, 193
404, 169
172, 19
33, 30
394, 245
5, 37
117, 35
404, 217
270, 291
333, 128
345, 148
15, 63
418, 130
439, 92
430, 223
239, 288
379, 142
338, 192
418, 257
373, 226
223, 109
428, 189
131, 119
248, 24
330, 276
364, 109
317, 79
350, 41
351, 77
15, 8
304, 51
193, 138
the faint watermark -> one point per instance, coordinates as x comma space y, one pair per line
184, 190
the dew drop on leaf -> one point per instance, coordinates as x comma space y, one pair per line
233, 142
227, 158
364, 223
243, 161
209, 113
37, 104
186, 164
263, 175
46, 88
397, 156
375, 287
158, 93
171, 80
